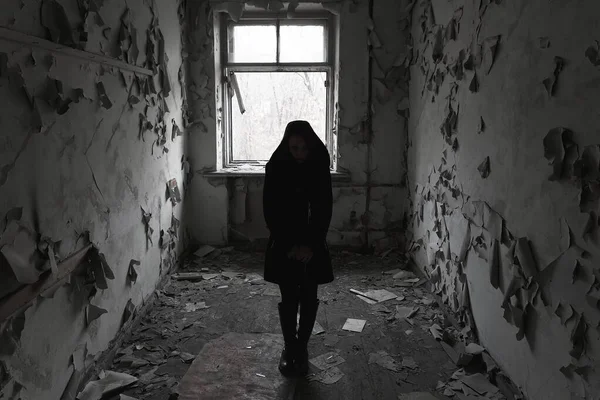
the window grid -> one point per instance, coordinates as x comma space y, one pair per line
229, 68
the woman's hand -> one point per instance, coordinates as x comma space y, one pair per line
301, 253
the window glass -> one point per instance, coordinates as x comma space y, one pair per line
302, 43
271, 100
253, 43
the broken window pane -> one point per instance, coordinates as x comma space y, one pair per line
302, 43
253, 43
272, 99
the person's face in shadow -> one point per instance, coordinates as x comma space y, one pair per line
298, 148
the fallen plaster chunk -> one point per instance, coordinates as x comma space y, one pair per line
354, 325
109, 382
328, 377
327, 360
384, 360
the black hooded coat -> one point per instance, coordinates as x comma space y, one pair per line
297, 205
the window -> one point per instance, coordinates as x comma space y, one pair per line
275, 70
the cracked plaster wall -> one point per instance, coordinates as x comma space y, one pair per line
503, 241
83, 175
374, 198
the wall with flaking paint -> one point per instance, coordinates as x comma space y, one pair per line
504, 201
370, 147
76, 167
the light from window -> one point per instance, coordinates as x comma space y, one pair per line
302, 43
254, 44
272, 99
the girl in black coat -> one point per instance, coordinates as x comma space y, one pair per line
297, 204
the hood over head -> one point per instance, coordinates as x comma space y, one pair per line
317, 151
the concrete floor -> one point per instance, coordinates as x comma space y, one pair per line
230, 349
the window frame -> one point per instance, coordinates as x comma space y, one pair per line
328, 66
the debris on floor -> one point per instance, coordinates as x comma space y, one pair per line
384, 360
110, 382
166, 342
354, 325
328, 376
327, 360
317, 329
377, 296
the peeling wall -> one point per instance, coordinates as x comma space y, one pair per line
369, 206
87, 149
503, 172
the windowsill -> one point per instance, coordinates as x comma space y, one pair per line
258, 172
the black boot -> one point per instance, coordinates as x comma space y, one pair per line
287, 319
308, 315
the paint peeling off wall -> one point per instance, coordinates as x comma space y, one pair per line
503, 170
92, 180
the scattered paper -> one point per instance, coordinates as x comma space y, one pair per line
109, 382
328, 377
354, 325
384, 360
327, 360
380, 295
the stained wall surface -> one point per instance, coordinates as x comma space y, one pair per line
370, 202
77, 169
503, 164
